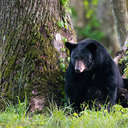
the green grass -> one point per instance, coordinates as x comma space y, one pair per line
15, 117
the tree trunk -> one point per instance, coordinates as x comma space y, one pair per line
121, 18
127, 4
104, 14
32, 47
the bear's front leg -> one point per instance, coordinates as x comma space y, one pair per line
112, 97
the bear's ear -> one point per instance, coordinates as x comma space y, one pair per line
70, 46
92, 47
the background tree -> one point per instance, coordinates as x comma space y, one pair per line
32, 49
94, 19
78, 13
121, 18
108, 27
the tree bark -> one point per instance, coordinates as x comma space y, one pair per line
121, 18
104, 14
32, 45
127, 4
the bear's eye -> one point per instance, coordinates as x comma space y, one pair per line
76, 57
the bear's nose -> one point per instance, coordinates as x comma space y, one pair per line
79, 66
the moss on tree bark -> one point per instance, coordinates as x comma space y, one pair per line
33, 45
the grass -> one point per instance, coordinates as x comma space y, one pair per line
15, 117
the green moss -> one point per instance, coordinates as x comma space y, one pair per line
65, 3
31, 62
33, 53
0, 75
9, 66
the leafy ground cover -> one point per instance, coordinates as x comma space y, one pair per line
16, 117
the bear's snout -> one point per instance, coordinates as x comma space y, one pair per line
79, 66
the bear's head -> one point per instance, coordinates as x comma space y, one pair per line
82, 55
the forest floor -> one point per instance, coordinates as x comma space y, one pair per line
16, 117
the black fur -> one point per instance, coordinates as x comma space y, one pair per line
101, 73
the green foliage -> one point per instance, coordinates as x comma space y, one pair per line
56, 117
92, 26
126, 70
63, 61
65, 4
64, 39
63, 24
90, 8
62, 66
124, 62
60, 24
91, 30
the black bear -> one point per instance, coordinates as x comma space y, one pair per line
91, 70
